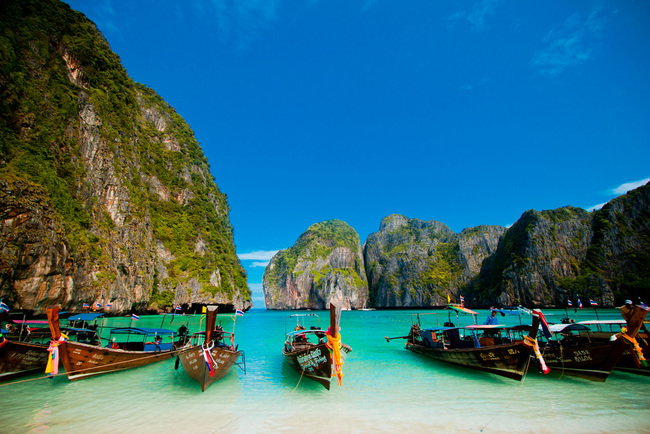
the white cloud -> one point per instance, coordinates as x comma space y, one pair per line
239, 22
624, 188
596, 207
477, 17
481, 12
259, 264
617, 191
571, 44
258, 255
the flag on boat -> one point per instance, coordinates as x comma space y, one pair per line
462, 300
135, 317
86, 305
99, 306
178, 308
239, 312
545, 328
568, 302
3, 307
208, 357
643, 305
592, 302
579, 303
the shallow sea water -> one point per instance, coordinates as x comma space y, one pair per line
385, 389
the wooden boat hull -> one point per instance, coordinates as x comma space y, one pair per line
507, 360
83, 360
21, 358
194, 365
627, 362
314, 361
595, 359
592, 361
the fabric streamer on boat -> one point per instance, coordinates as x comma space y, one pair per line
208, 357
637, 348
532, 342
52, 367
334, 343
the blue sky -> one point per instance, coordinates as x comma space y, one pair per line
464, 112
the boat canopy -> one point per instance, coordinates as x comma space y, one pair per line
462, 309
30, 321
604, 322
77, 330
561, 328
513, 310
85, 316
441, 329
486, 327
298, 332
141, 331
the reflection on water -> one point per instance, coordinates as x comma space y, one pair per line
385, 388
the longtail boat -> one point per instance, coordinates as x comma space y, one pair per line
209, 355
316, 353
488, 348
604, 330
128, 347
576, 351
21, 358
24, 349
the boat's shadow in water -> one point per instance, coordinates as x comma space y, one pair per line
438, 367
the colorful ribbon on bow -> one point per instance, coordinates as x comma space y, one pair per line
334, 344
208, 358
52, 367
532, 343
637, 348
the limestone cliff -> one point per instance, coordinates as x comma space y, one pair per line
549, 257
537, 251
325, 264
105, 194
415, 263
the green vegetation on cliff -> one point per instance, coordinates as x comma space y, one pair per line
443, 268
54, 64
317, 242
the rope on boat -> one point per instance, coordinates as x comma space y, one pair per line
299, 380
532, 343
561, 361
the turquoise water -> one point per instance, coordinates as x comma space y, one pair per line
386, 389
